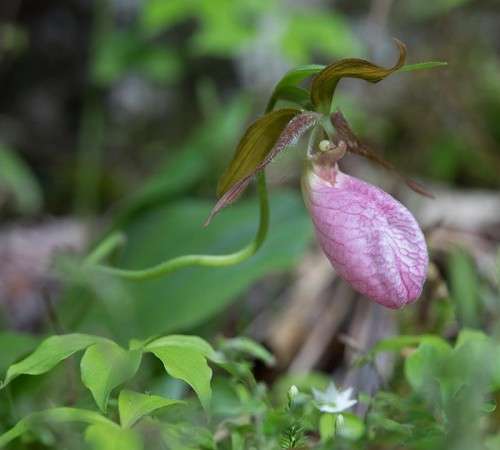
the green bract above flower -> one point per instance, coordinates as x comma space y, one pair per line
263, 140
333, 400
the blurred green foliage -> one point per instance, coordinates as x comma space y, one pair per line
160, 153
18, 183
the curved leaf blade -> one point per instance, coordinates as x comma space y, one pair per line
133, 406
49, 353
13, 346
189, 365
324, 84
254, 146
181, 340
105, 366
263, 140
248, 347
55, 415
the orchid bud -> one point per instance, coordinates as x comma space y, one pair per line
371, 239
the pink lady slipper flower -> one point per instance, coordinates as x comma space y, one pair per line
371, 239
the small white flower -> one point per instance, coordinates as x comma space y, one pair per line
332, 400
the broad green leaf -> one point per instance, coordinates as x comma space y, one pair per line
17, 180
14, 345
398, 343
254, 147
54, 416
468, 335
324, 84
290, 80
189, 365
176, 303
106, 437
49, 353
132, 406
177, 340
423, 363
248, 347
105, 366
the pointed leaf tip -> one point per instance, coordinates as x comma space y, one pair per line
324, 84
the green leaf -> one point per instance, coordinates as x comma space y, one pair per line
422, 66
105, 366
324, 84
254, 147
189, 365
14, 345
106, 437
398, 343
262, 142
17, 180
177, 340
190, 303
132, 406
468, 335
423, 363
290, 80
55, 415
249, 347
49, 353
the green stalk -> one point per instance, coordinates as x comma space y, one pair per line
171, 265
104, 248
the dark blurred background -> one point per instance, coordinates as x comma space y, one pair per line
122, 114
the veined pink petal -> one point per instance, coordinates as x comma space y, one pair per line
370, 238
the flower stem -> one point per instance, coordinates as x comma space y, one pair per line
171, 265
